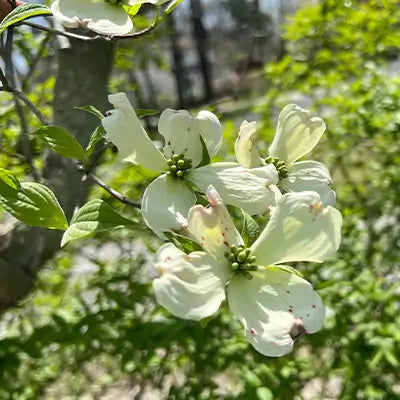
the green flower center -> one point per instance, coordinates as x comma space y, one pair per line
241, 260
178, 165
279, 165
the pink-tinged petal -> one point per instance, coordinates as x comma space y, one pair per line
244, 188
189, 286
275, 307
213, 227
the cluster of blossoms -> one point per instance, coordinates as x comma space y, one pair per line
274, 304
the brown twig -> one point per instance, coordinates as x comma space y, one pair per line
117, 195
120, 197
84, 38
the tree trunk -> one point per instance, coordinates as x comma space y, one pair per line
82, 78
200, 37
177, 64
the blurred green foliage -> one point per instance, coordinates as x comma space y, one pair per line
92, 323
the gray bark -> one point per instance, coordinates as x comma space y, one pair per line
200, 37
82, 78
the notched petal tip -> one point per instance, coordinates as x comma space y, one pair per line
297, 134
213, 196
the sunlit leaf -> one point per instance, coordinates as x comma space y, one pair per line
95, 216
31, 203
62, 142
23, 12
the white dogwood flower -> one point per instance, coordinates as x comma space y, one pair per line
297, 134
274, 306
168, 198
107, 17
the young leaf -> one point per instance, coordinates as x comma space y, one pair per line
31, 203
171, 7
182, 242
62, 142
250, 230
95, 216
132, 10
143, 112
205, 159
97, 136
92, 110
23, 12
9, 179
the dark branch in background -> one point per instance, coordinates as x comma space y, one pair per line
9, 81
17, 93
34, 62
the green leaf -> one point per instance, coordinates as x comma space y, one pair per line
264, 393
132, 10
9, 179
31, 203
23, 12
287, 269
182, 242
172, 6
97, 136
62, 142
250, 230
92, 110
143, 112
205, 158
95, 216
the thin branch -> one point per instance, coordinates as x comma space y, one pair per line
84, 38
34, 62
7, 88
120, 197
25, 139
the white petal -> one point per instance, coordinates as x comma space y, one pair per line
68, 19
213, 227
98, 16
300, 229
245, 188
165, 205
210, 129
189, 286
245, 150
163, 121
274, 308
309, 175
127, 133
181, 132
296, 135
181, 135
